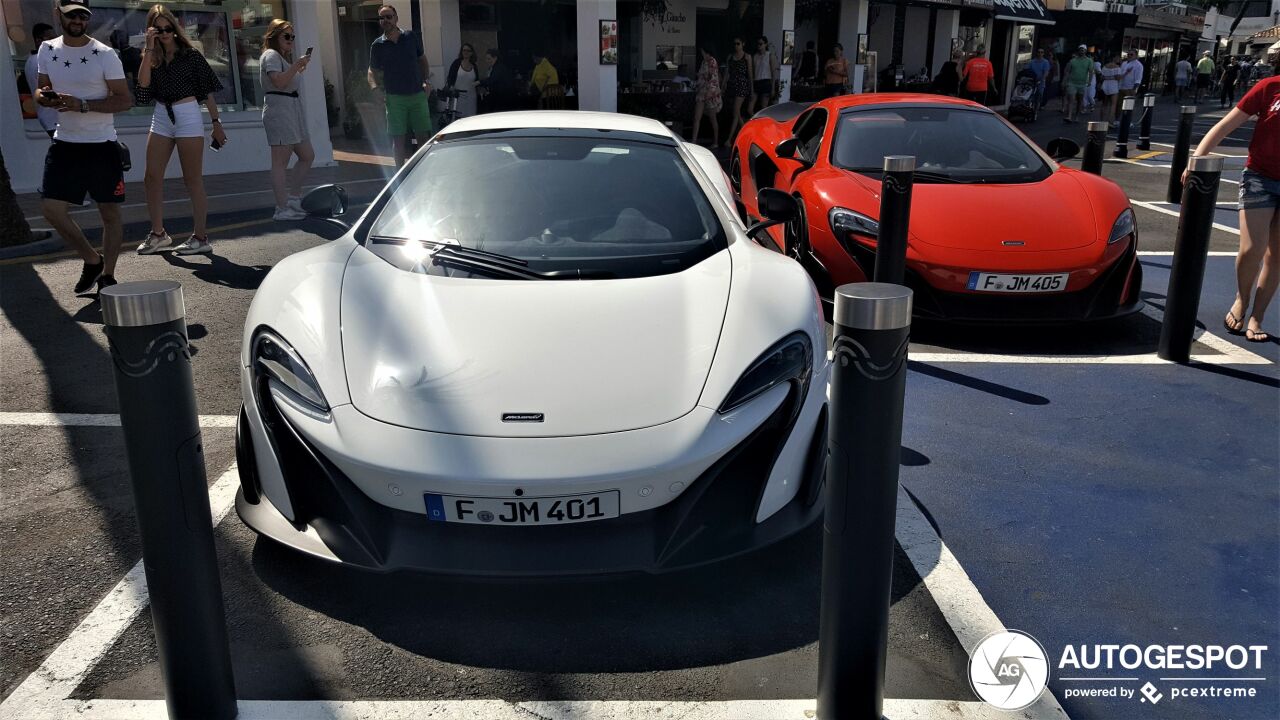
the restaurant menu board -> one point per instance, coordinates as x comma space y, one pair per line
608, 42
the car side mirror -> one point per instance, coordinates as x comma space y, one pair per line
777, 207
326, 201
790, 150
1062, 149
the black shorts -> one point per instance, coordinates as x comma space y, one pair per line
763, 87
1202, 80
73, 169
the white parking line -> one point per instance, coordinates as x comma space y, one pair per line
42, 694
96, 420
45, 693
1167, 211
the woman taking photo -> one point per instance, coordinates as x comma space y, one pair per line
283, 117
708, 99
178, 79
1111, 73
463, 76
737, 84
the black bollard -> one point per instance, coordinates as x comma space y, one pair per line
872, 327
1126, 118
1094, 144
1181, 151
895, 216
147, 333
1148, 116
1190, 254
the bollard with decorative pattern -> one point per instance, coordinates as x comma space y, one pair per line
147, 333
1181, 151
1126, 119
895, 215
1148, 116
1095, 143
868, 380
1190, 255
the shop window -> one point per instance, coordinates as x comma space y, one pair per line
227, 32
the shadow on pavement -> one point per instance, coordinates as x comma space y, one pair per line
974, 383
221, 271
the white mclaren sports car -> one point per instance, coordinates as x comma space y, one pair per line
549, 347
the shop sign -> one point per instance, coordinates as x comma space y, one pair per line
1165, 18
983, 4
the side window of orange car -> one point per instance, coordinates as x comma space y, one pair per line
808, 130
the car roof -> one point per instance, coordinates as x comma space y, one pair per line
550, 119
841, 102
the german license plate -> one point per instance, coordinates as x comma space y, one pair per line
1017, 283
559, 510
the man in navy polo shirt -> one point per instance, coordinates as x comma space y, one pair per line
398, 68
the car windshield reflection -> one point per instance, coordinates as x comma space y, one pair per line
950, 144
572, 206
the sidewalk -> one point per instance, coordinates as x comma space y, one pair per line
361, 172
1050, 125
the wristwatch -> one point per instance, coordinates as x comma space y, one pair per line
84, 106
217, 120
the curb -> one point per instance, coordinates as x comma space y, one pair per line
39, 247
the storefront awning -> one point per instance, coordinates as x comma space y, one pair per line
1023, 11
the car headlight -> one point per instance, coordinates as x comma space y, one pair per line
789, 360
1124, 226
276, 359
844, 220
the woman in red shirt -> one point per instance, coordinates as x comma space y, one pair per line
1259, 207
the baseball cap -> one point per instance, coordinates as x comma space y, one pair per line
1083, 47
68, 6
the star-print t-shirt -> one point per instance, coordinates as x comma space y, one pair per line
81, 72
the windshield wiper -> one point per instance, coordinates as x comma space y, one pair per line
490, 263
937, 177
452, 247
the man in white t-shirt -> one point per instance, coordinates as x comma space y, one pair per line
1131, 77
84, 81
1182, 74
48, 117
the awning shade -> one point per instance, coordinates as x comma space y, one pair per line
1023, 11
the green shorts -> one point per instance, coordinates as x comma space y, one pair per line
408, 113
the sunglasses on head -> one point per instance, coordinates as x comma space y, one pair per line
166, 29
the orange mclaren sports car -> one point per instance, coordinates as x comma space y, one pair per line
999, 231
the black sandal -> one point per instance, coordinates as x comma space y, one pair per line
1231, 318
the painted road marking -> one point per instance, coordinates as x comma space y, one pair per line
1149, 155
41, 694
383, 160
95, 420
45, 694
1167, 211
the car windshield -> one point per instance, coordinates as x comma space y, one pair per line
549, 206
949, 144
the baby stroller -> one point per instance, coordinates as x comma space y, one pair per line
1024, 102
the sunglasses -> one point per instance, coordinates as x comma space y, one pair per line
388, 18
166, 29
79, 15
287, 36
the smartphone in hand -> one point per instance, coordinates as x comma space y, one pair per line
308, 53
214, 145
48, 95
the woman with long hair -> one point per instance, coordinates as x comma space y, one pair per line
284, 118
836, 72
737, 84
463, 76
708, 100
177, 77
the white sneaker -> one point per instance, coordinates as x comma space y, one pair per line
154, 243
295, 203
194, 245
288, 213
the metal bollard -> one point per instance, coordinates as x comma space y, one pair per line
895, 216
872, 328
1126, 118
1181, 151
1148, 116
1094, 144
147, 333
1190, 254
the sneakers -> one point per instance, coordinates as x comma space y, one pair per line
295, 203
195, 245
289, 213
106, 281
155, 242
90, 273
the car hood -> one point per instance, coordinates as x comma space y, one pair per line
1053, 214
456, 355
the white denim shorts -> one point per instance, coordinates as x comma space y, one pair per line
187, 121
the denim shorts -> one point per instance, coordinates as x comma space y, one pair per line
1258, 191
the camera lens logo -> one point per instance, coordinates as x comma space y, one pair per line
1009, 670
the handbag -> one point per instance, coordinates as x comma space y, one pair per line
125, 162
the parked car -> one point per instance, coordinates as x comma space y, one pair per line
999, 231
548, 347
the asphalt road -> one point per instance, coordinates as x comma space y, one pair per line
1088, 502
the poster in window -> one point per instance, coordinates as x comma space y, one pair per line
860, 57
788, 46
608, 42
